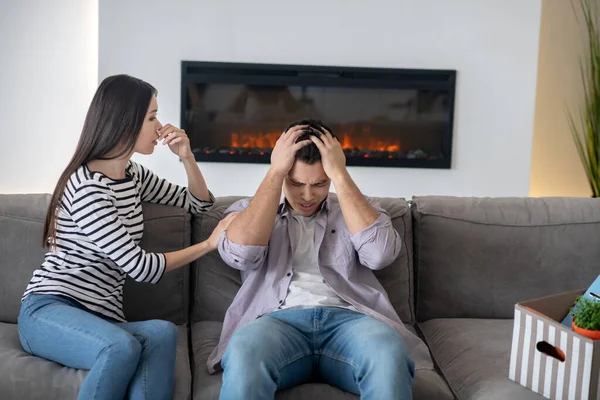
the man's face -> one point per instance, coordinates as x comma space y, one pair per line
306, 187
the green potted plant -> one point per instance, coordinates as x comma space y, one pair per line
586, 132
586, 318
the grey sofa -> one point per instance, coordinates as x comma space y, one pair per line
465, 262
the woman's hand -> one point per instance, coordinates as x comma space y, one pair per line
177, 140
213, 240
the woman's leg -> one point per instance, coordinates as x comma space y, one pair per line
58, 329
155, 374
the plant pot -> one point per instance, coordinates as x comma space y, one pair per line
594, 335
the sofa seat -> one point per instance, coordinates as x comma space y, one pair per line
474, 355
23, 376
428, 385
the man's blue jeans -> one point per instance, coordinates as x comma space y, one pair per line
343, 348
135, 359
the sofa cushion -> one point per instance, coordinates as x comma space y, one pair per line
166, 229
397, 278
477, 257
215, 284
428, 385
21, 225
23, 376
474, 355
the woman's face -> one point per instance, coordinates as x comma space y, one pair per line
147, 138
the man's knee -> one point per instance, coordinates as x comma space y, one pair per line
387, 350
252, 344
245, 348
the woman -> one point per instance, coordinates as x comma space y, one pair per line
72, 311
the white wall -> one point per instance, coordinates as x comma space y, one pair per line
556, 169
492, 44
48, 75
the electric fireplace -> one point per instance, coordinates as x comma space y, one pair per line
234, 112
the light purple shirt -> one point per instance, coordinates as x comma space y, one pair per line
346, 262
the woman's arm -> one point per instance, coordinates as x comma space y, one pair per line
92, 210
179, 144
154, 189
176, 259
196, 184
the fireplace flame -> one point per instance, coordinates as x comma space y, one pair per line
254, 140
347, 140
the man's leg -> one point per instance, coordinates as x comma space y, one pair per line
155, 374
264, 356
364, 356
57, 329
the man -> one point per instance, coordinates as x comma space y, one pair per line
310, 307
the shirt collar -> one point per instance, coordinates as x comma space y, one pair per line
284, 207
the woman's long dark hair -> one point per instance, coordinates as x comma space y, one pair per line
112, 125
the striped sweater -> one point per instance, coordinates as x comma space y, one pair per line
99, 228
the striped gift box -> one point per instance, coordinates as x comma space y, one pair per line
549, 358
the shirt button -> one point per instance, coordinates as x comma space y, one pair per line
280, 301
333, 231
289, 274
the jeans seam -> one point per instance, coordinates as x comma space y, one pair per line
286, 363
340, 359
101, 373
83, 333
29, 349
146, 345
144, 386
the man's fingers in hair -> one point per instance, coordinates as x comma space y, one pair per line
317, 141
329, 136
326, 137
301, 144
295, 134
295, 129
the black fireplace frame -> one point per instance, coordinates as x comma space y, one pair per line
328, 76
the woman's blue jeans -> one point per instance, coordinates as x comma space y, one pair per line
133, 359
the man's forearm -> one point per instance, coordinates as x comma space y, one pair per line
254, 225
196, 183
357, 211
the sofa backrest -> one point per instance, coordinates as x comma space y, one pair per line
214, 284
166, 229
21, 224
477, 257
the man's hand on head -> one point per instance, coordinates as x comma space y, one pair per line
332, 154
284, 152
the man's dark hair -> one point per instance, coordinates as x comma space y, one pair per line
309, 154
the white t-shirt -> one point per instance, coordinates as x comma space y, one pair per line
307, 287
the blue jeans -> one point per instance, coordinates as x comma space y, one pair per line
343, 348
134, 359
